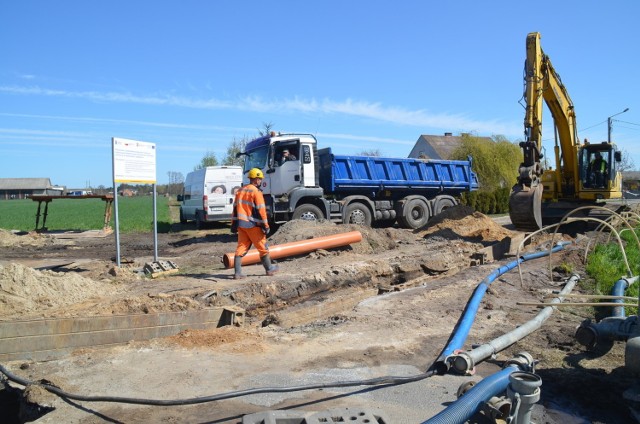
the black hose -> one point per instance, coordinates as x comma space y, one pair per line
387, 380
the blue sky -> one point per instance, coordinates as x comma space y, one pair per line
191, 76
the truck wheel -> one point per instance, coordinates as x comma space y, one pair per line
357, 213
443, 203
182, 218
307, 212
415, 214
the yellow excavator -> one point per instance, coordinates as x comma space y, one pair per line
585, 174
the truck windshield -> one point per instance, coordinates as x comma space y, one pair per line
256, 158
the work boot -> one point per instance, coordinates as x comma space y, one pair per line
266, 262
237, 266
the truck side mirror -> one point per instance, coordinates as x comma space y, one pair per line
180, 198
617, 155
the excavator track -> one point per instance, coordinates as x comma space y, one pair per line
525, 207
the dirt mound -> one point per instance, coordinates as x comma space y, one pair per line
464, 222
373, 240
24, 289
11, 239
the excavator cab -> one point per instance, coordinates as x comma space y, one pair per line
598, 168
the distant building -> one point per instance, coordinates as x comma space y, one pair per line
631, 184
127, 192
437, 146
21, 188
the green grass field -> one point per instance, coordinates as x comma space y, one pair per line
135, 214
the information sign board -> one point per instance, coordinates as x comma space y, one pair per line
134, 161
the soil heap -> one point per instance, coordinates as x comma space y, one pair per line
464, 222
25, 290
373, 240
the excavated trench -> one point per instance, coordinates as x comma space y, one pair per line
322, 295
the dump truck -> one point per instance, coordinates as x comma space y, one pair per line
313, 184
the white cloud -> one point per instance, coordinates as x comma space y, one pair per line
126, 121
361, 138
363, 109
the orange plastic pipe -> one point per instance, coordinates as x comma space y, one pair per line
296, 248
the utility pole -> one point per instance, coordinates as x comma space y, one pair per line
609, 122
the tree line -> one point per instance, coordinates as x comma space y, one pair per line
495, 161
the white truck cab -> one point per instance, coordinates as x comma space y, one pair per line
208, 194
286, 183
282, 176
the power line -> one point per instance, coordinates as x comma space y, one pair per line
592, 126
625, 122
628, 128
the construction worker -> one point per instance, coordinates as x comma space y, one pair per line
250, 222
598, 170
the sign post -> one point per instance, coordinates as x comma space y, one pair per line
134, 162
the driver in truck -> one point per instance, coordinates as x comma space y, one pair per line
286, 156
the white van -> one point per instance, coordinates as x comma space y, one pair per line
208, 194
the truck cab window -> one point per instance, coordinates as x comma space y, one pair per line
256, 159
286, 154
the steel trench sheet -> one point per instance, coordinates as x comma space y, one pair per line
47, 338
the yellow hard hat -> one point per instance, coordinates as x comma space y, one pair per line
255, 173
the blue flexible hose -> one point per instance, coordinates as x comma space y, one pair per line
463, 327
619, 289
466, 406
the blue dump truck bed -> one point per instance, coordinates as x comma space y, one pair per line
373, 174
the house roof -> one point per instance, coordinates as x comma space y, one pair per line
437, 146
25, 183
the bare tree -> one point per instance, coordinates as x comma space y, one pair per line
371, 152
267, 127
627, 162
175, 182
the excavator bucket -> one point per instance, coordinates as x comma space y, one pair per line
525, 207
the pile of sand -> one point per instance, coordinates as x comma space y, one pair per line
464, 222
24, 289
9, 239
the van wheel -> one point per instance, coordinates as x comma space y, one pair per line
199, 221
182, 218
307, 212
357, 213
414, 214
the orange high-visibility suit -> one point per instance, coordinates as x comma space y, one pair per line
250, 218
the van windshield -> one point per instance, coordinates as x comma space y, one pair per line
256, 158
